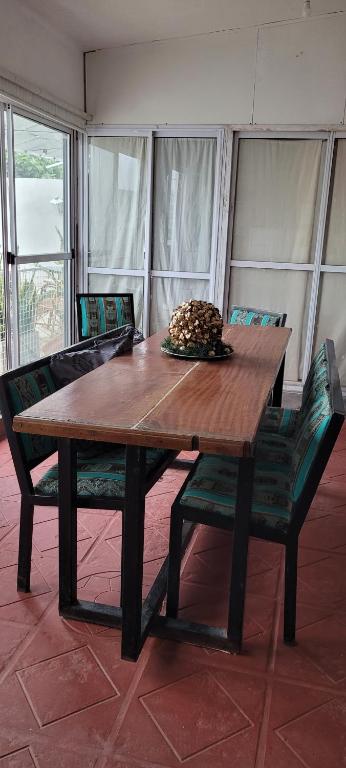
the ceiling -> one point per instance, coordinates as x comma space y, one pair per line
94, 24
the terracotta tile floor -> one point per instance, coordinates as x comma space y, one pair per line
67, 700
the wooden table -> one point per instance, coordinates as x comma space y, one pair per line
147, 399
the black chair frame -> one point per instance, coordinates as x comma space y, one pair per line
23, 468
100, 295
300, 510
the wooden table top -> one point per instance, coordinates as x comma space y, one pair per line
147, 398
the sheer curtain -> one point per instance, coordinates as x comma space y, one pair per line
331, 315
278, 184
281, 291
184, 178
117, 201
183, 204
336, 237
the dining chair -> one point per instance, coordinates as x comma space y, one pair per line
262, 317
100, 477
249, 316
292, 451
102, 312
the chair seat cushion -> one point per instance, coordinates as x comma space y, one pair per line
101, 475
213, 485
281, 421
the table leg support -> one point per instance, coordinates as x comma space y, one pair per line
239, 552
278, 386
67, 523
133, 546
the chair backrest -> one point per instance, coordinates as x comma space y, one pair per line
19, 389
251, 316
321, 417
99, 313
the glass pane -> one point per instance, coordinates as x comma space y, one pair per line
2, 303
183, 204
41, 174
281, 291
41, 309
331, 317
121, 284
168, 292
117, 201
335, 252
277, 187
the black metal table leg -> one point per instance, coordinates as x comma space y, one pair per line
67, 524
278, 386
239, 552
133, 545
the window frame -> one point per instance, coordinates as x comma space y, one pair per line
316, 267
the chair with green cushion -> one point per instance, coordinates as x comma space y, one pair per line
100, 476
250, 316
264, 318
290, 459
102, 312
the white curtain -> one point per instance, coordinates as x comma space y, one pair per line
168, 292
120, 284
336, 238
331, 318
117, 201
282, 291
277, 184
183, 204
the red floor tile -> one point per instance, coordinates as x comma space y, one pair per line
68, 701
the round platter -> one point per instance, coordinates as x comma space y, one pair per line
181, 355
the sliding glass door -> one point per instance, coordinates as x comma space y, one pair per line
41, 237
37, 254
152, 227
274, 246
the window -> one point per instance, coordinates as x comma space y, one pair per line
151, 220
330, 314
36, 184
277, 204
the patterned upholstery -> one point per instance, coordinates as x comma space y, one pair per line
100, 314
281, 421
24, 391
101, 475
213, 485
315, 415
247, 316
286, 449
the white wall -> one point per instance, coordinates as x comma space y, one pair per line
285, 73
38, 54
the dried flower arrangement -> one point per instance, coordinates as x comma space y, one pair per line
195, 330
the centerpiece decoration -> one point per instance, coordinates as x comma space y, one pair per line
195, 330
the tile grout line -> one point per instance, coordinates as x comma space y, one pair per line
263, 734
114, 732
142, 664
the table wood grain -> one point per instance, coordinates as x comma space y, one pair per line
148, 398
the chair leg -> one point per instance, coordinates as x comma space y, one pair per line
291, 557
174, 563
25, 545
